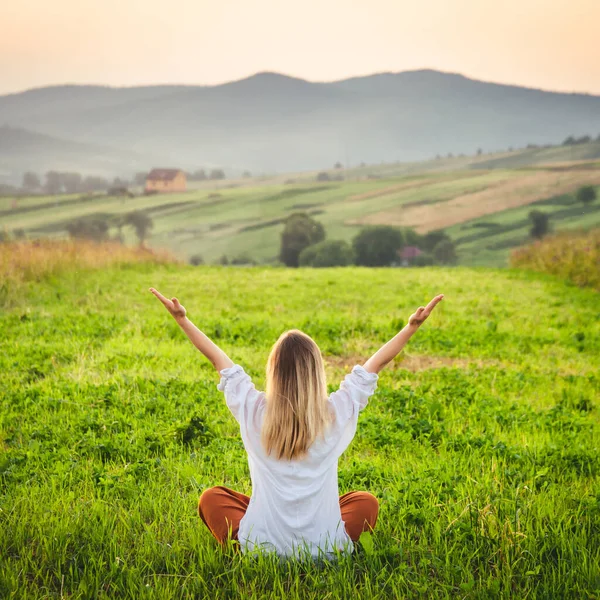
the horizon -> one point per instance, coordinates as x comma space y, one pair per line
67, 84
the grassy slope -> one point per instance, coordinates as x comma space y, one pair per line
488, 240
488, 470
247, 218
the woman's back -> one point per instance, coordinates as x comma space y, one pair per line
295, 503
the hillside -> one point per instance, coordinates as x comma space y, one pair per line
484, 210
43, 153
271, 122
481, 443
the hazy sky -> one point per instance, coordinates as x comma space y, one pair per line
551, 44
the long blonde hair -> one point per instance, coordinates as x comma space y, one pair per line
296, 413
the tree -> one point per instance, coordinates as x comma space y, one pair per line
328, 253
92, 183
431, 239
140, 178
53, 183
586, 194
444, 252
246, 175
323, 176
377, 246
71, 182
217, 174
338, 165
198, 175
540, 225
479, 151
411, 237
141, 223
31, 181
300, 231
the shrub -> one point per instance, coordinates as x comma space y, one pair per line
377, 246
323, 176
243, 259
573, 255
196, 259
329, 253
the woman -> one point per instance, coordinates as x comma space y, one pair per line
293, 434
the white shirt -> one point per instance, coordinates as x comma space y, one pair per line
295, 504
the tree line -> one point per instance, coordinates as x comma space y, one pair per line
71, 182
304, 243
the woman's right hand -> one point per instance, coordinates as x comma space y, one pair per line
177, 310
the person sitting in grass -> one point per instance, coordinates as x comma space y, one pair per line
294, 435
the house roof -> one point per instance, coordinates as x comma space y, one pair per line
410, 252
162, 174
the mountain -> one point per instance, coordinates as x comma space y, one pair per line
272, 122
22, 150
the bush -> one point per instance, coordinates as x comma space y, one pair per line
572, 255
242, 259
329, 253
300, 231
377, 246
196, 259
323, 176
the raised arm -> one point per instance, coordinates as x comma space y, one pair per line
217, 357
392, 348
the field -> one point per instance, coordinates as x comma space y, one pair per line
484, 209
482, 442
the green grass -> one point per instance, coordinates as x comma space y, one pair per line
487, 468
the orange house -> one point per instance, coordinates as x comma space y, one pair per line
165, 180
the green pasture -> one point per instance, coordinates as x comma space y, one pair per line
482, 442
245, 218
489, 240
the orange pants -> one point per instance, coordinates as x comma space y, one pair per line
222, 509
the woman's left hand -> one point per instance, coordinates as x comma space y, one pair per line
423, 312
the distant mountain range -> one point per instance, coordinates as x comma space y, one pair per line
274, 123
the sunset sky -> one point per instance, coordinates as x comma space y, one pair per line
550, 44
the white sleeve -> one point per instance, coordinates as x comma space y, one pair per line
353, 394
240, 393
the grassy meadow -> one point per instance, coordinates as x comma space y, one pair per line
482, 442
484, 209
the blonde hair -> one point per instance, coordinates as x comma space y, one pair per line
296, 412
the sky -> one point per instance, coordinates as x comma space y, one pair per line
548, 44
